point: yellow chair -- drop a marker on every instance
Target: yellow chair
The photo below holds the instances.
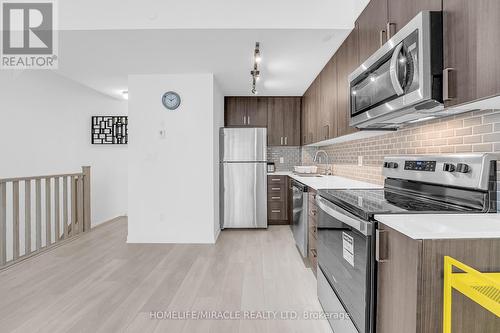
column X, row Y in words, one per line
column 482, row 288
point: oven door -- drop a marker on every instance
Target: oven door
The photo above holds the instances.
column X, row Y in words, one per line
column 345, row 259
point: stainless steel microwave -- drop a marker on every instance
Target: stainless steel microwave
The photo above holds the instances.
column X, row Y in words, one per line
column 402, row 81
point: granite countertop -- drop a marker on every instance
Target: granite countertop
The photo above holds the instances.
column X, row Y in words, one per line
column 444, row 226
column 326, row 182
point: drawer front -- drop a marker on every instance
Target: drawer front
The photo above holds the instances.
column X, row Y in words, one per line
column 312, row 198
column 276, row 210
column 273, row 180
column 313, row 231
column 313, row 213
column 276, row 193
column 313, row 259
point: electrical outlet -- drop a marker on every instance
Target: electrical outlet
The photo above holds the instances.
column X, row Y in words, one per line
column 360, row 160
column 282, row 160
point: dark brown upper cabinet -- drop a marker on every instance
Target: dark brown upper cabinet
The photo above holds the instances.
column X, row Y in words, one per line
column 310, row 113
column 306, row 110
column 283, row 121
column 347, row 61
column 471, row 49
column 371, row 26
column 314, row 115
column 328, row 101
column 257, row 112
column 381, row 19
column 234, row 111
column 245, row 111
column 403, row 11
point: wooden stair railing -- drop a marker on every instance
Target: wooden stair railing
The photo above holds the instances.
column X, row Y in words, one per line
column 59, row 212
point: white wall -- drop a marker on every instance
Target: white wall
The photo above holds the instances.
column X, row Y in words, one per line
column 45, row 129
column 172, row 180
column 217, row 123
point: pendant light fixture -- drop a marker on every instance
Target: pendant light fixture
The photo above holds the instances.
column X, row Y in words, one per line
column 255, row 72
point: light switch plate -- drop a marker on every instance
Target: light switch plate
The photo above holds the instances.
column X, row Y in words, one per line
column 282, row 160
column 360, row 160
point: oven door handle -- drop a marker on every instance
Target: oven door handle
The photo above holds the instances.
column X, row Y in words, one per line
column 360, row 225
column 393, row 70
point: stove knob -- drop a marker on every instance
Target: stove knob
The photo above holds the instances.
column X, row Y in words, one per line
column 463, row 168
column 392, row 165
column 448, row 167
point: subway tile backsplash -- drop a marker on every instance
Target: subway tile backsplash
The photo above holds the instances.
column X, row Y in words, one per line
column 477, row 131
column 290, row 155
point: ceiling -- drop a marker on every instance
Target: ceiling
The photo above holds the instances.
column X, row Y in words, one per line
column 207, row 14
column 291, row 59
column 102, row 42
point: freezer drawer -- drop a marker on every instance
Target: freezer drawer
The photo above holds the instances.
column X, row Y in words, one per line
column 243, row 145
column 244, row 195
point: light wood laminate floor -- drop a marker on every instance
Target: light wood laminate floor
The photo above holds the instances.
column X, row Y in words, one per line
column 98, row 283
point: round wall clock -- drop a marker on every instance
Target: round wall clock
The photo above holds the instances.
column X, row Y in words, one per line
column 171, row 100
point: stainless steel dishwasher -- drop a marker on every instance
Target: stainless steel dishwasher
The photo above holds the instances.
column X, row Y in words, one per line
column 299, row 216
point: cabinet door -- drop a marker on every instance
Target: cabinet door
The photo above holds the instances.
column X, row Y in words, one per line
column 275, row 132
column 372, row 25
column 347, row 61
column 402, row 11
column 471, row 49
column 305, row 117
column 397, row 281
column 291, row 121
column 234, row 111
column 328, row 100
column 256, row 111
column 314, row 119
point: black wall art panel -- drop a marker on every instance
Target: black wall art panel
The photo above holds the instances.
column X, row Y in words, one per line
column 110, row 130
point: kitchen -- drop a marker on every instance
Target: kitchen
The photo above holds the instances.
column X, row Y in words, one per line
column 399, row 92
column 320, row 168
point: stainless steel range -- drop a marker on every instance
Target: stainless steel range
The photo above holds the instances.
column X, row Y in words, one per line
column 347, row 245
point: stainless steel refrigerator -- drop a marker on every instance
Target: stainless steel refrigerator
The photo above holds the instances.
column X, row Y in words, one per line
column 243, row 177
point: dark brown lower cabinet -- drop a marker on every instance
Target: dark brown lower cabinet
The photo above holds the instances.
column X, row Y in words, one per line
column 277, row 199
column 410, row 283
column 313, row 231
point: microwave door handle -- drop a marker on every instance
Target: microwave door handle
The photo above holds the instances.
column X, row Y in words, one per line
column 394, row 72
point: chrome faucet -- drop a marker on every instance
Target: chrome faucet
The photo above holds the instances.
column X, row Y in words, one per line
column 328, row 170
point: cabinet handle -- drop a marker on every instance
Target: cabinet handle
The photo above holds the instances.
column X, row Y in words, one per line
column 286, row 140
column 244, row 120
column 447, row 94
column 276, row 211
column 275, row 189
column 381, row 36
column 381, row 245
column 248, row 120
column 276, row 198
column 275, row 179
column 391, row 30
column 281, row 141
